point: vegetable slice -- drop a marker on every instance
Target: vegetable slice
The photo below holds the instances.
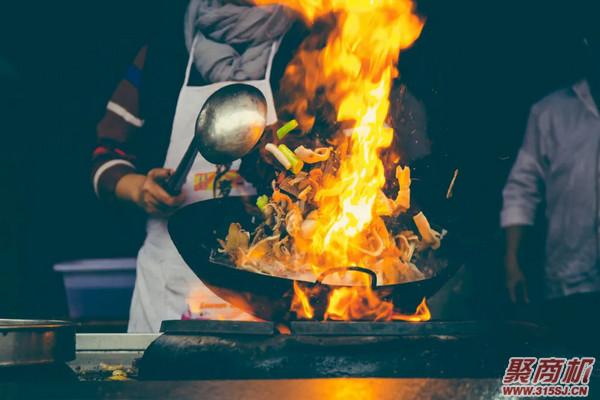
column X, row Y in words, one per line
column 286, row 128
column 271, row 148
column 262, row 201
column 310, row 156
column 403, row 198
column 296, row 163
column 429, row 236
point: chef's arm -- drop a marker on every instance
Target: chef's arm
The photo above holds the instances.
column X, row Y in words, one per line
column 113, row 158
column 114, row 174
column 521, row 196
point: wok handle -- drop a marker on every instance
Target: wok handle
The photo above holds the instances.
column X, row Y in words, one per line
column 176, row 181
column 367, row 271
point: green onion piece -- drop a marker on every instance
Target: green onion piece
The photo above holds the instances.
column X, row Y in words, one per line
column 296, row 168
column 262, row 201
column 286, row 128
column 289, row 154
column 297, row 163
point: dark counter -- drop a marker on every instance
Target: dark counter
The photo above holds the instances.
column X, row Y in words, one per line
column 305, row 389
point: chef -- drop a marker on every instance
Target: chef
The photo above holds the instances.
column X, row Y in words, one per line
column 559, row 162
column 149, row 123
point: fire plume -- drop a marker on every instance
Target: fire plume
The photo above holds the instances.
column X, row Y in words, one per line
column 354, row 71
column 352, row 304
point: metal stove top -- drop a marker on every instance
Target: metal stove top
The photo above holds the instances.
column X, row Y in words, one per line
column 354, row 328
column 258, row 350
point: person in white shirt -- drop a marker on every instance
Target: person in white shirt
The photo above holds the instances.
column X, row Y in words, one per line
column 559, row 162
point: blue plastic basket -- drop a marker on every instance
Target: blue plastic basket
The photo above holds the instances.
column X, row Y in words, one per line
column 98, row 289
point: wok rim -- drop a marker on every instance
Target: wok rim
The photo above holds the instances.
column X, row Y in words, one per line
column 336, row 286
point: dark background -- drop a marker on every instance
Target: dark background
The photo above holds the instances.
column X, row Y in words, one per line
column 479, row 66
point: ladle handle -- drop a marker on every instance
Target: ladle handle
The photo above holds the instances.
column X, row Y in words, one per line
column 176, row 181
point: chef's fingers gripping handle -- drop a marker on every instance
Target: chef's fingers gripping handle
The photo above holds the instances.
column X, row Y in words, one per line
column 371, row 273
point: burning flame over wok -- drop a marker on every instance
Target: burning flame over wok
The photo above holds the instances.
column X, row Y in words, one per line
column 354, row 71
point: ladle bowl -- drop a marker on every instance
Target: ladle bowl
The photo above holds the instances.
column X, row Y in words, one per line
column 229, row 125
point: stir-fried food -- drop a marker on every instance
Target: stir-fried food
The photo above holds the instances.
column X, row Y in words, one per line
column 281, row 244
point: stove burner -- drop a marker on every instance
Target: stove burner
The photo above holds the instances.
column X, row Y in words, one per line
column 353, row 328
column 250, row 350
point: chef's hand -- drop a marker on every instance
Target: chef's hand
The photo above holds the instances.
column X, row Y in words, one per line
column 516, row 284
column 146, row 191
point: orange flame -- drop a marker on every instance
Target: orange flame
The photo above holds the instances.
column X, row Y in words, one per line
column 355, row 71
column 354, row 303
column 350, row 303
column 421, row 314
column 301, row 304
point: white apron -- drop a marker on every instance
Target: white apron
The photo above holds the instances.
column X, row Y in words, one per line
column 165, row 286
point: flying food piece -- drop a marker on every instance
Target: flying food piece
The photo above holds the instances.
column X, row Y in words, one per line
column 449, row 193
column 296, row 163
column 402, row 202
column 286, row 128
column 262, row 201
column 430, row 236
column 283, row 160
column 313, row 156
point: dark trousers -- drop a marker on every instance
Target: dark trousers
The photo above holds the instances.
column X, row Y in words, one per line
column 574, row 321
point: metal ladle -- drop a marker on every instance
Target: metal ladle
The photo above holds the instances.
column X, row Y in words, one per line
column 229, row 125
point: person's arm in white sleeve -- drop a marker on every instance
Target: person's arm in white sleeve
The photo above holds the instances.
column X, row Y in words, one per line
column 521, row 196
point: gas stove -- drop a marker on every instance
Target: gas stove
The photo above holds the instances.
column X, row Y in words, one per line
column 197, row 349
column 226, row 359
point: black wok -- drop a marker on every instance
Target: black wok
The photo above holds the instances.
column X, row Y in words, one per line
column 195, row 229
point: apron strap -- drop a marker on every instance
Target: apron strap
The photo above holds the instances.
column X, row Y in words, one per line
column 190, row 62
column 274, row 48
